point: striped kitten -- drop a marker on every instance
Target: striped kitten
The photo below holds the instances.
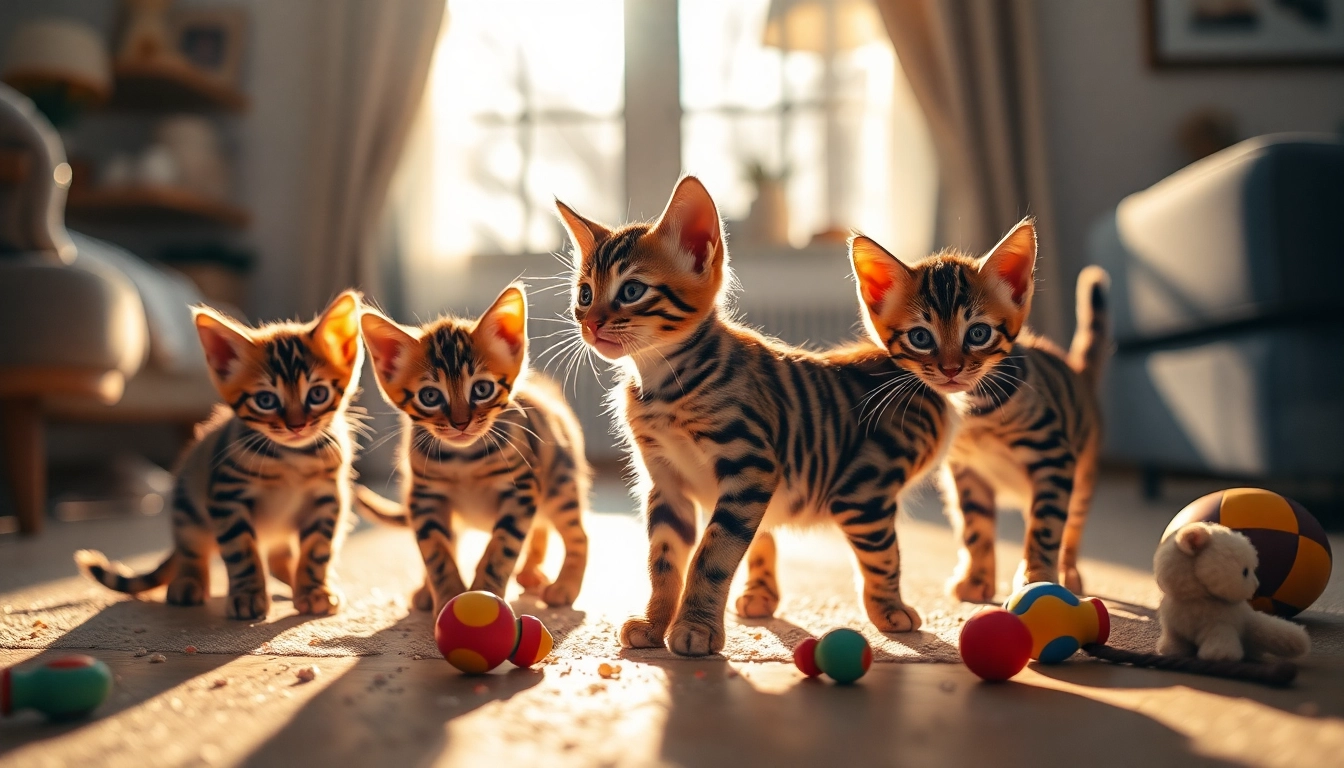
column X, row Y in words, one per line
column 486, row 444
column 271, row 470
column 741, row 429
column 1031, row 423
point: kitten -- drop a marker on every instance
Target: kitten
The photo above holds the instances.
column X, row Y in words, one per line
column 742, row 429
column 270, row 470
column 486, row 444
column 1031, row 425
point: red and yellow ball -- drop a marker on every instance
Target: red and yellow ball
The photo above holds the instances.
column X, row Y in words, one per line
column 477, row 631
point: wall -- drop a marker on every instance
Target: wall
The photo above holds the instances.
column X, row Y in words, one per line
column 1112, row 120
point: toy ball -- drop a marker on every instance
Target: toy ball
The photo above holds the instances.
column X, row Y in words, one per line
column 477, row 631
column 1059, row 622
column 843, row 654
column 1295, row 558
column 995, row 644
column 62, row 689
column 804, row 657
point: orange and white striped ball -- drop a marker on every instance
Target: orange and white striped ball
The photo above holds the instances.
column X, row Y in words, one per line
column 1295, row 557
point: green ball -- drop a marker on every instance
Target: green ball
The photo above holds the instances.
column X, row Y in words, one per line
column 843, row 655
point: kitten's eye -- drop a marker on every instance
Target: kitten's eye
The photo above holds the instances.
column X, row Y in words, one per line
column 482, row 390
column 978, row 334
column 1245, row 572
column 920, row 338
column 585, row 295
column 318, row 395
column 265, row 401
column 431, row 397
column 632, row 290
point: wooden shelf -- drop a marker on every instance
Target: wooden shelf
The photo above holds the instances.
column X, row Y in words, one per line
column 170, row 85
column 151, row 206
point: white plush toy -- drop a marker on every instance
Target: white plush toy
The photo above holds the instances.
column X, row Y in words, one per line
column 1207, row 574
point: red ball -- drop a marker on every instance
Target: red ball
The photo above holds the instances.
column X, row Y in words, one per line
column 476, row 632
column 995, row 644
column 805, row 657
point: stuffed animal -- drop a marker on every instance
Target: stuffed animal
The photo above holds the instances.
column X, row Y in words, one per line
column 1207, row 576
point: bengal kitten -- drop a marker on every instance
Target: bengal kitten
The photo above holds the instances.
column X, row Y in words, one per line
column 486, row 444
column 1031, row 422
column 739, row 428
column 270, row 470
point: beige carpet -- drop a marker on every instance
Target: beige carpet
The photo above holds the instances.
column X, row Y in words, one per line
column 380, row 568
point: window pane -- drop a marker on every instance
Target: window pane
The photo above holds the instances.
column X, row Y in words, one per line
column 580, row 163
column 810, row 88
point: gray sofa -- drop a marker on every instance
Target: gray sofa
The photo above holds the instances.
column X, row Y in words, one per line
column 1228, row 299
column 88, row 331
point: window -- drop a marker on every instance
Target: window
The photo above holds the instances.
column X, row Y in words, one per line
column 796, row 103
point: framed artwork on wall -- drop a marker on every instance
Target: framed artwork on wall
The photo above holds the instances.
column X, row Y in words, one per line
column 1210, row 33
column 211, row 39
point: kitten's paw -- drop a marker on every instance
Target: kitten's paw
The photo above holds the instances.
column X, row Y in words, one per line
column 319, row 600
column 1170, row 645
column 639, row 632
column 689, row 638
column 186, row 590
column 247, row 604
column 423, row 598
column 971, row 589
column 532, row 579
column 756, row 605
column 1025, row 576
column 559, row 594
column 1072, row 581
column 899, row 618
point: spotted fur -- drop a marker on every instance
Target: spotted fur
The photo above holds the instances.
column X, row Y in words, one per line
column 488, row 445
column 269, row 473
column 738, row 431
column 1031, row 425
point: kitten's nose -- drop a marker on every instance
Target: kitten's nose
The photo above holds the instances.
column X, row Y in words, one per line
column 459, row 426
column 950, row 373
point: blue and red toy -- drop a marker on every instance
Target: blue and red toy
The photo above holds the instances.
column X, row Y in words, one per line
column 1059, row 621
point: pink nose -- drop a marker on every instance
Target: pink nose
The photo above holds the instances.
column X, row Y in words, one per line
column 950, row 373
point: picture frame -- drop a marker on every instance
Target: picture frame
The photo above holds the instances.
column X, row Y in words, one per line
column 1244, row 33
column 211, row 39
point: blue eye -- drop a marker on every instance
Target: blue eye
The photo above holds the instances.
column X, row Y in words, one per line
column 585, row 295
column 632, row 290
column 482, row 390
column 318, row 394
column 265, row 401
column 920, row 338
column 431, row 397
column 978, row 334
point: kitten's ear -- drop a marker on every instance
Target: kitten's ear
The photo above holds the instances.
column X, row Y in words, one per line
column 882, row 278
column 390, row 345
column 502, row 330
column 1013, row 262
column 226, row 343
column 1193, row 538
column 337, row 331
column 586, row 234
column 691, row 224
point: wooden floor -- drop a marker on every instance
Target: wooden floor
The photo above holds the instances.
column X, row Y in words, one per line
column 390, row 710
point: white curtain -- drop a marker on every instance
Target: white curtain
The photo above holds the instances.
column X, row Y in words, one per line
column 372, row 61
column 973, row 67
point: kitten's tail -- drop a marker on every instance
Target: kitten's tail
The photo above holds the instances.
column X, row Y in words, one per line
column 114, row 576
column 1092, row 341
column 372, row 506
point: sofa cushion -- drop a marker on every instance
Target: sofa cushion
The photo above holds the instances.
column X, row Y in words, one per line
column 1261, row 402
column 86, row 315
column 1254, row 231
